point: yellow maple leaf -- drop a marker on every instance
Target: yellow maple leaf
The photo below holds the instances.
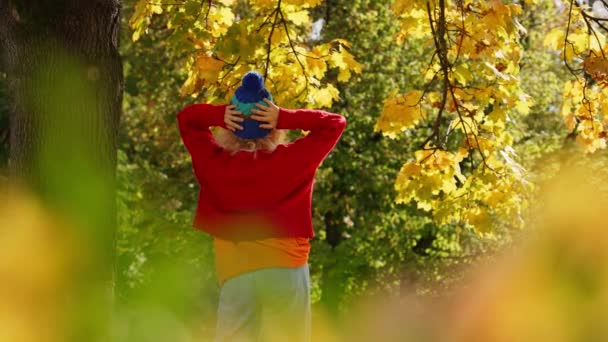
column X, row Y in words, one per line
column 596, row 67
column 523, row 104
column 410, row 169
column 555, row 38
column 208, row 68
column 298, row 17
column 324, row 97
column 399, row 113
column 316, row 63
column 350, row 62
column 222, row 15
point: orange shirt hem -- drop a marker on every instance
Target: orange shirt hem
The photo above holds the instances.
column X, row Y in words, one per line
column 237, row 257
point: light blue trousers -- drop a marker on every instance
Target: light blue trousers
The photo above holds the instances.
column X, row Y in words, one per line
column 270, row 304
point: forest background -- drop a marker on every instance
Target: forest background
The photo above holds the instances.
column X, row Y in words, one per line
column 459, row 112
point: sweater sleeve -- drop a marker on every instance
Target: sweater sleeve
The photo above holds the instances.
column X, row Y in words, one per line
column 194, row 122
column 324, row 128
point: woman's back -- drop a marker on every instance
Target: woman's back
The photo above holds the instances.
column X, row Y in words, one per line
column 272, row 189
column 255, row 200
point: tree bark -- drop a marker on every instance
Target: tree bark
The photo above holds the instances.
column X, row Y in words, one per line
column 4, row 129
column 64, row 83
column 35, row 38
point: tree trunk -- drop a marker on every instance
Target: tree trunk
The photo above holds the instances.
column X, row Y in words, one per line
column 36, row 39
column 4, row 129
column 64, row 83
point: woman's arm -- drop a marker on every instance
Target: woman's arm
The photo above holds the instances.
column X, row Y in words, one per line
column 194, row 122
column 318, row 122
column 324, row 128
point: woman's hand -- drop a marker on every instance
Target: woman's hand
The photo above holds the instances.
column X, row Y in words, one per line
column 231, row 117
column 268, row 114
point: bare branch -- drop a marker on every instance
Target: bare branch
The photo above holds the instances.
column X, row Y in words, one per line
column 566, row 41
column 276, row 16
column 294, row 52
column 440, row 48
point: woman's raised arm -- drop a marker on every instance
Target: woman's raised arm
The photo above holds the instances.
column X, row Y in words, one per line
column 324, row 128
column 194, row 122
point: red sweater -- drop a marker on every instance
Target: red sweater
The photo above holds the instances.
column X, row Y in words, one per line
column 254, row 195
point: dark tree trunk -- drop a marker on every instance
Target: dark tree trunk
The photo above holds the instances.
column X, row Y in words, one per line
column 4, row 128
column 64, row 84
column 36, row 38
column 333, row 229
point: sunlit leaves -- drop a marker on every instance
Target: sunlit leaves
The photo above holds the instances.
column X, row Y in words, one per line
column 582, row 111
column 434, row 173
column 435, row 182
column 345, row 62
column 141, row 18
column 555, row 38
column 400, row 112
column 315, row 60
column 222, row 41
column 299, row 17
column 582, row 45
column 466, row 173
column 324, row 97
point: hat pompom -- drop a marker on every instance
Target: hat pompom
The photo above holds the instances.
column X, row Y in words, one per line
column 252, row 88
column 253, row 81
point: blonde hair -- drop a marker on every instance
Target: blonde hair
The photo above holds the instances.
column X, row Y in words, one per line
column 231, row 142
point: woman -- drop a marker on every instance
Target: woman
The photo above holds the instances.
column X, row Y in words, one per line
column 255, row 200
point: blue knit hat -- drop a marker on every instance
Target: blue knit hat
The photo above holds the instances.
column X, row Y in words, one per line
column 250, row 92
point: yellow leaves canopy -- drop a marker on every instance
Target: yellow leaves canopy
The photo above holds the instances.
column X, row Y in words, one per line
column 469, row 102
column 270, row 42
column 433, row 176
column 584, row 112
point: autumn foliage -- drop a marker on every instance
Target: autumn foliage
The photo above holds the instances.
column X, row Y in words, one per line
column 221, row 48
column 466, row 172
column 474, row 128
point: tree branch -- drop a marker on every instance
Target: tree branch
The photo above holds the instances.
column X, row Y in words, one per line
column 274, row 23
column 295, row 53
